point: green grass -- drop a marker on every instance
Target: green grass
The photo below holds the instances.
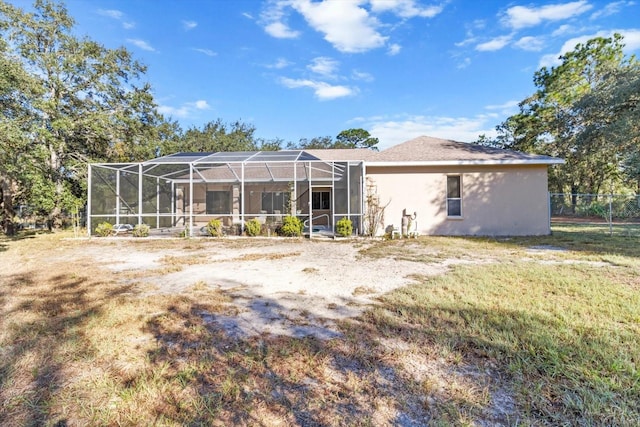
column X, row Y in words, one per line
column 567, row 336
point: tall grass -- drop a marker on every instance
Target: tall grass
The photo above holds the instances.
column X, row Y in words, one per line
column 567, row 336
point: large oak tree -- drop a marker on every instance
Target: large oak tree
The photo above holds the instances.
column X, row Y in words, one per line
column 90, row 104
column 586, row 111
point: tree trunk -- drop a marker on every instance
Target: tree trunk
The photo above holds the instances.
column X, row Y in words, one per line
column 54, row 220
column 6, row 218
column 574, row 198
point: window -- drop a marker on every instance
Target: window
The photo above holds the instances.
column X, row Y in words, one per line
column 275, row 201
column 454, row 196
column 321, row 200
column 218, row 202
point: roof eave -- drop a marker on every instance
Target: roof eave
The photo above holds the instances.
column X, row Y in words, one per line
column 485, row 162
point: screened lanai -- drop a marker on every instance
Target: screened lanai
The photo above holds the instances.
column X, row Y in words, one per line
column 186, row 190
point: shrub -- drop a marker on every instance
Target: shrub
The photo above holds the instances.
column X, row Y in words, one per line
column 253, row 227
column 214, row 228
column 104, row 229
column 140, row 230
column 344, row 227
column 594, row 209
column 291, row 227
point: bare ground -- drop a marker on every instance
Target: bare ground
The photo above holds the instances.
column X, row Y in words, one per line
column 293, row 288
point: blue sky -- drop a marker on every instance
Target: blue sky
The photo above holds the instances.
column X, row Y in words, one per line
column 307, row 68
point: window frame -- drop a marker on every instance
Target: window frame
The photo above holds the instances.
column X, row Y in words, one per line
column 276, row 200
column 211, row 208
column 457, row 213
column 324, row 199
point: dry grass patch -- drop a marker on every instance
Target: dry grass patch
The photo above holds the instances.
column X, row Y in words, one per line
column 521, row 342
column 363, row 290
column 266, row 256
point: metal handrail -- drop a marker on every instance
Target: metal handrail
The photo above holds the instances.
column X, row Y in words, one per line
column 306, row 221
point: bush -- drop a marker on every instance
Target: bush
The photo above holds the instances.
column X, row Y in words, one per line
column 214, row 228
column 253, row 227
column 291, row 227
column 140, row 230
column 344, row 227
column 104, row 229
column 594, row 209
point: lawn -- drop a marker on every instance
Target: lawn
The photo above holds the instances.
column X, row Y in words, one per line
column 540, row 330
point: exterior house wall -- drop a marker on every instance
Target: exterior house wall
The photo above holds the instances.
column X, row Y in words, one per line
column 496, row 200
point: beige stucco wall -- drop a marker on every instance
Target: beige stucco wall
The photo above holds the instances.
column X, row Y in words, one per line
column 496, row 200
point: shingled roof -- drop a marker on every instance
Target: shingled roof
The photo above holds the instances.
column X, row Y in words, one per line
column 338, row 154
column 426, row 149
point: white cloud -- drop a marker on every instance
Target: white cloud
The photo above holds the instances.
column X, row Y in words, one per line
column 280, row 30
column 118, row 16
column 322, row 90
column 518, row 17
column 111, row 13
column 631, row 41
column 207, row 52
column 534, row 44
column 470, row 33
column 189, row 25
column 563, row 29
column 506, row 105
column 467, row 41
column 248, row 15
column 464, row 63
column 201, row 104
column 185, row 110
column 351, row 26
column 494, row 44
column 506, row 109
column 405, row 8
column 346, row 25
column 141, row 44
column 273, row 18
column 361, row 75
column 394, row 49
column 279, row 64
column 611, row 9
column 167, row 110
column 395, row 130
column 324, row 66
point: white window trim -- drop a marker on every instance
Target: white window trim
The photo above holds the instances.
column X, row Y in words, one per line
column 459, row 176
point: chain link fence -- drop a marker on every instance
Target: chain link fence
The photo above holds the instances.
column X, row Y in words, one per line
column 613, row 213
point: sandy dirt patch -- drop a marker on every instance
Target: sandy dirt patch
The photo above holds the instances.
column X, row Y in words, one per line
column 294, row 288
